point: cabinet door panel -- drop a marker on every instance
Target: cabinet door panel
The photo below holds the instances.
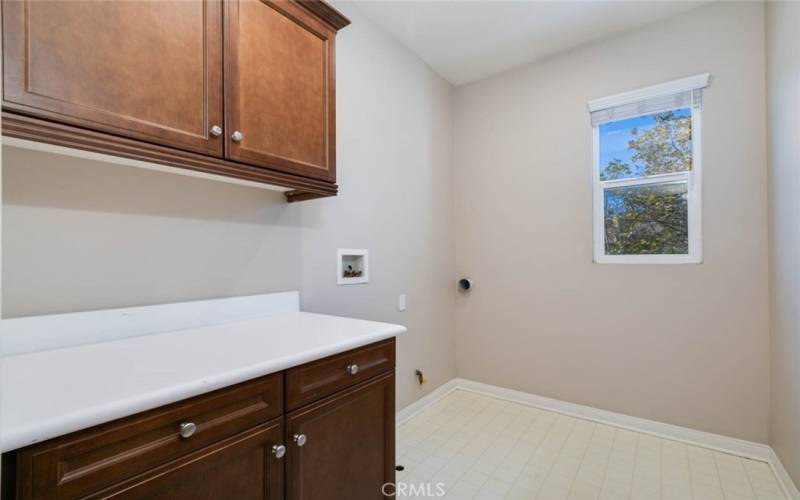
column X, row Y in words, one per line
column 349, row 449
column 279, row 87
column 146, row 70
column 242, row 467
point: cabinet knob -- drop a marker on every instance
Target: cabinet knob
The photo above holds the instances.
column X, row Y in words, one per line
column 278, row 450
column 352, row 369
column 216, row 131
column 237, row 136
column 187, row 429
column 299, row 439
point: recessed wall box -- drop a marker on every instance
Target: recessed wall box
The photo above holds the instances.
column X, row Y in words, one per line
column 352, row 266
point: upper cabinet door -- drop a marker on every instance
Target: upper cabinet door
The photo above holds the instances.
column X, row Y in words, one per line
column 146, row 70
column 279, row 87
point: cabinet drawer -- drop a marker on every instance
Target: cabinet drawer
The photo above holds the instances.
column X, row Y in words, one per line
column 241, row 467
column 323, row 377
column 86, row 461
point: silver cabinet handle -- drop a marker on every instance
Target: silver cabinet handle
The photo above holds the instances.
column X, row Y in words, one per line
column 352, row 369
column 187, row 429
column 278, row 450
column 237, row 136
column 216, row 131
column 299, row 439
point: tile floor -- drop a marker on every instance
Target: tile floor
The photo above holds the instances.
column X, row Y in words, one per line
column 481, row 447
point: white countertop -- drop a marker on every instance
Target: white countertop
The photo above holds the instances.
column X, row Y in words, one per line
column 49, row 393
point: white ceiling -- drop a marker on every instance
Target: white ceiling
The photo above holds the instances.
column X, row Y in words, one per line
column 465, row 41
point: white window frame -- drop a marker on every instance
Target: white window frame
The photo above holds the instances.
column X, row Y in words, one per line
column 692, row 178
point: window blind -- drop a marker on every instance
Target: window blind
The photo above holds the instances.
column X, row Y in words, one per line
column 648, row 100
column 648, row 106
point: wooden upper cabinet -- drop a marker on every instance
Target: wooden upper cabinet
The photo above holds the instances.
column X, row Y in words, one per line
column 156, row 81
column 145, row 70
column 280, row 87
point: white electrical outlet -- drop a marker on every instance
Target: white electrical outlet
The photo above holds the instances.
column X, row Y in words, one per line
column 401, row 302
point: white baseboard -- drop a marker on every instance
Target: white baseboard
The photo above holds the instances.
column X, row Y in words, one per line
column 783, row 477
column 740, row 447
column 425, row 401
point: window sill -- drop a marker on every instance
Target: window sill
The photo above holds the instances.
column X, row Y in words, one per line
column 648, row 259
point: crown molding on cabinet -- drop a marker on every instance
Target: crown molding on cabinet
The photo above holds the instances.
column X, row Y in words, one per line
column 34, row 129
column 324, row 11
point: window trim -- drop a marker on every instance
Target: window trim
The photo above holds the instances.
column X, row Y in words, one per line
column 692, row 178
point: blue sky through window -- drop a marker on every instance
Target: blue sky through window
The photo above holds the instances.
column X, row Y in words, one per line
column 614, row 138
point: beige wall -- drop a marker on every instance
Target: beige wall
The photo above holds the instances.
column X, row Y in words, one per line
column 783, row 108
column 684, row 344
column 394, row 146
column 82, row 235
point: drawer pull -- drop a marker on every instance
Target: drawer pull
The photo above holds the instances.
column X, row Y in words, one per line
column 299, row 439
column 237, row 136
column 278, row 450
column 187, row 429
column 216, row 131
column 352, row 369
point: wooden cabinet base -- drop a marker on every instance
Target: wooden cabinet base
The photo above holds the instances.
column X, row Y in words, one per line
column 35, row 129
column 242, row 467
column 338, row 444
column 349, row 453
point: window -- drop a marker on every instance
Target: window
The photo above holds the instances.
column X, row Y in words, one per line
column 646, row 174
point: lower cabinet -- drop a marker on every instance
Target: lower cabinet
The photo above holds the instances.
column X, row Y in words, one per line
column 236, row 443
column 343, row 447
column 244, row 467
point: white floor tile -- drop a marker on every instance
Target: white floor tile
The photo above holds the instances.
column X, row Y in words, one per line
column 484, row 448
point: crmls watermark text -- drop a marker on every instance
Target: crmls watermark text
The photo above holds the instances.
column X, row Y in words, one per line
column 422, row 489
